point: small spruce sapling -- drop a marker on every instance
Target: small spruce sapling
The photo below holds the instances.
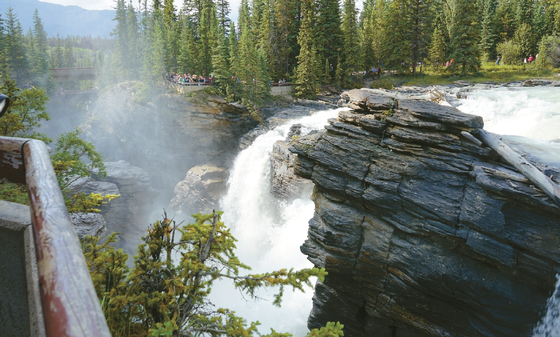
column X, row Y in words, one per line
column 167, row 289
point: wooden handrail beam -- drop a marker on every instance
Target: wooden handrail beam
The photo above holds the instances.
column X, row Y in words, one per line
column 70, row 304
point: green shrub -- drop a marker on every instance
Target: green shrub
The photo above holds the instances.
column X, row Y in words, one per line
column 384, row 83
column 549, row 52
column 510, row 52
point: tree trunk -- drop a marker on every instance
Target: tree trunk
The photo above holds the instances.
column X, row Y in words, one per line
column 532, row 173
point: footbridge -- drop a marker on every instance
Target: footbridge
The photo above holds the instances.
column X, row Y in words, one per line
column 73, row 74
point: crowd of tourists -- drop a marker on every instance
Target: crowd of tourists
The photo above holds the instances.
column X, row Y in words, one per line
column 188, row 79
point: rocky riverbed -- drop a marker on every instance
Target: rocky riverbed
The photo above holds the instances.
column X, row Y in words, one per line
column 423, row 233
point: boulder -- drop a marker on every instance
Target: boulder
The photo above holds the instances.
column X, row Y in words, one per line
column 424, row 233
column 200, row 190
column 92, row 224
column 88, row 185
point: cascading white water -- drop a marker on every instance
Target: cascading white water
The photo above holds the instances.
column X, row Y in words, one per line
column 550, row 324
column 530, row 117
column 269, row 231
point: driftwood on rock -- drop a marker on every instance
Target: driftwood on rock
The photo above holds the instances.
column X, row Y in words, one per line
column 531, row 172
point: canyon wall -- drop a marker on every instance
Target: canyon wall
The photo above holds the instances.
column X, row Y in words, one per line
column 423, row 233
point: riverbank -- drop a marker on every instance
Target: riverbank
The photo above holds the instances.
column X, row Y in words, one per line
column 490, row 73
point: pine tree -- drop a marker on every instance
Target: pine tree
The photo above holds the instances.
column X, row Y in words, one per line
column 487, row 33
column 171, row 35
column 367, row 32
column 41, row 61
column 538, row 25
column 14, row 43
column 418, row 18
column 121, row 58
column 234, row 90
column 523, row 37
column 523, row 12
column 69, row 59
column 504, row 21
column 207, row 31
column 437, row 53
column 328, row 35
column 307, row 71
column 233, row 50
column 58, row 54
column 349, row 61
column 288, row 18
column 30, row 50
column 153, row 67
column 395, row 47
column 4, row 70
column 188, row 56
column 221, row 66
column 134, row 43
column 223, row 12
column 464, row 39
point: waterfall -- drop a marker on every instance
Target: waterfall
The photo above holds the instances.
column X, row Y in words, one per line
column 269, row 231
column 550, row 323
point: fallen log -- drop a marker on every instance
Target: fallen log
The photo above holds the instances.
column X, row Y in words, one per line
column 532, row 173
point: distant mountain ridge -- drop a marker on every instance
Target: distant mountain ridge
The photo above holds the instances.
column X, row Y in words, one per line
column 62, row 20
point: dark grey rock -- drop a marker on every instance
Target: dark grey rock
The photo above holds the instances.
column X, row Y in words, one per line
column 92, row 224
column 423, row 233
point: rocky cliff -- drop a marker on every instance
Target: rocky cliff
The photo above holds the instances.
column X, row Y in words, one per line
column 167, row 135
column 423, row 233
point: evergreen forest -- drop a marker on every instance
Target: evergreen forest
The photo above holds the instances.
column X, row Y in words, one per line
column 310, row 43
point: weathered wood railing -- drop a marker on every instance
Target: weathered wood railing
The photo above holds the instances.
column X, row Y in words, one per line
column 70, row 305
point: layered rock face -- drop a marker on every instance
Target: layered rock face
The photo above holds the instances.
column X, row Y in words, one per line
column 284, row 183
column 423, row 233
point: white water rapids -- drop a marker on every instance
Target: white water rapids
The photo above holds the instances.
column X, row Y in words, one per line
column 530, row 120
column 269, row 231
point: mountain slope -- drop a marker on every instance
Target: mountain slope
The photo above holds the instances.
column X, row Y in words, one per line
column 62, row 20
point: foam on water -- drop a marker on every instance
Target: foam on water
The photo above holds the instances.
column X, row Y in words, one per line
column 269, row 231
column 527, row 112
column 527, row 118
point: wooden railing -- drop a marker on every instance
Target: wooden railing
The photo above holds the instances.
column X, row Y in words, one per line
column 70, row 304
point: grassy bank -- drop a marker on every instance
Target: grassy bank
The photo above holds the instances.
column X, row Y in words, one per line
column 490, row 72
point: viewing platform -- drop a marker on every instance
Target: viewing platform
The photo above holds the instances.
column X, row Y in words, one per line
column 278, row 89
